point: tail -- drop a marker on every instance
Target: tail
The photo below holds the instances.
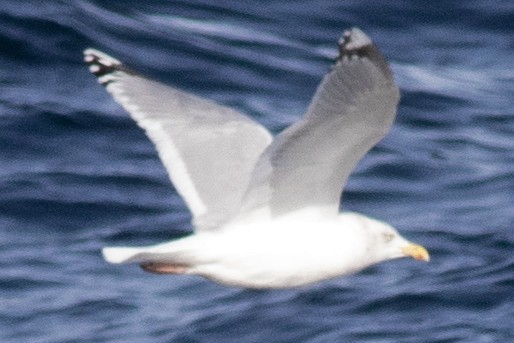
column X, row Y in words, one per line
column 121, row 254
column 153, row 262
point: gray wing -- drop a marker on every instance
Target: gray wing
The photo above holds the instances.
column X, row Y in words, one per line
column 308, row 164
column 208, row 150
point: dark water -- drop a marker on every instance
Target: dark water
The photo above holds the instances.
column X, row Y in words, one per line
column 77, row 174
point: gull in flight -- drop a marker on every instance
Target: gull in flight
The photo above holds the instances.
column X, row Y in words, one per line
column 266, row 209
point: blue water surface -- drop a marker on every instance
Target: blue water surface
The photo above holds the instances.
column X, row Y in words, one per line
column 76, row 173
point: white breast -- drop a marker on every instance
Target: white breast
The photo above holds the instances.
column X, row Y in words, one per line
column 290, row 255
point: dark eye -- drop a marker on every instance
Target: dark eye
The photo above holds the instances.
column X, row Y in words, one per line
column 388, row 236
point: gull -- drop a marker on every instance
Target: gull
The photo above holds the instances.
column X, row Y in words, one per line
column 265, row 210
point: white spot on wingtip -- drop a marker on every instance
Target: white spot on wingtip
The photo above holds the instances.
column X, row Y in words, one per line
column 358, row 39
column 92, row 54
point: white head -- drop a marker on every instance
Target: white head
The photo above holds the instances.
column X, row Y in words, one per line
column 385, row 243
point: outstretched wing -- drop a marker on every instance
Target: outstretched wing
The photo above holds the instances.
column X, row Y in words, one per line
column 308, row 164
column 208, row 150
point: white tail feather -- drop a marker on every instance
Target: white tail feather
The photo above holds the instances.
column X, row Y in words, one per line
column 117, row 255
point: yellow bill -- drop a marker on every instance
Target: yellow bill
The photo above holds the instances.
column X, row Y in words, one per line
column 417, row 252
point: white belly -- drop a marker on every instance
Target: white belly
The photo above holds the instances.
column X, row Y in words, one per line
column 277, row 258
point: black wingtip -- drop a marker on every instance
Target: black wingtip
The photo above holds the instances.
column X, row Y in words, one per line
column 102, row 65
column 355, row 42
column 356, row 45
